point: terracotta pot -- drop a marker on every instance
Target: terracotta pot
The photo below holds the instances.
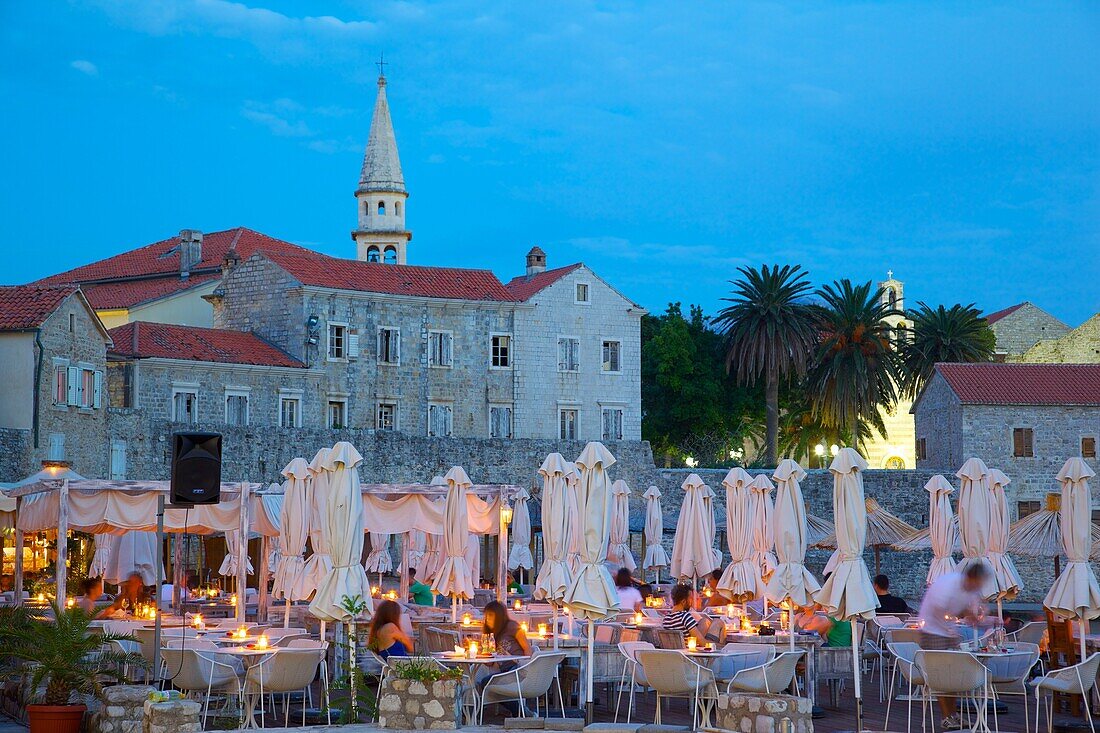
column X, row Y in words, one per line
column 55, row 718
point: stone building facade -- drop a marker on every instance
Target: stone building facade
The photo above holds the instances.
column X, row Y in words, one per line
column 1079, row 346
column 1021, row 326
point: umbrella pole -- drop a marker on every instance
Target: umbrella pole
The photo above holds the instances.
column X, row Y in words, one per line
column 554, row 622
column 878, row 559
column 1000, row 612
column 790, row 617
column 454, row 609
column 588, row 683
column 855, row 671
column 1082, row 635
column 286, row 616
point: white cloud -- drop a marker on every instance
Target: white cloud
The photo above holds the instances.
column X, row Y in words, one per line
column 275, row 119
column 85, row 67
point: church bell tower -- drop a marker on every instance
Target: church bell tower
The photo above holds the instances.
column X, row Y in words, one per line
column 381, row 235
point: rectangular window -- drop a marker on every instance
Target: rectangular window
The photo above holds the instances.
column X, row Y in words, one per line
column 87, row 387
column 612, row 423
column 501, row 351
column 922, row 449
column 440, row 349
column 61, row 385
column 72, row 323
column 387, row 416
column 337, row 414
column 439, row 420
column 337, row 341
column 1088, row 447
column 290, row 412
column 500, row 421
column 236, row 407
column 389, row 345
column 56, row 451
column 1026, row 509
column 185, row 405
column 611, row 358
column 581, row 293
column 72, row 380
column 567, row 420
column 1023, row 443
column 118, row 460
column 568, row 354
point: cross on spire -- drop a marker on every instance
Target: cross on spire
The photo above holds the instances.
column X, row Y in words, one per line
column 889, row 274
column 381, row 64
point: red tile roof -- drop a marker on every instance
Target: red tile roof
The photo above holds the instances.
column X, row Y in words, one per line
column 169, row 341
column 24, row 307
column 427, row 282
column 1024, row 384
column 525, row 287
column 998, row 315
column 152, row 271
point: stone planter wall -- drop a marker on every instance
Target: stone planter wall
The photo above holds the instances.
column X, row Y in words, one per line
column 122, row 711
column 173, row 716
column 416, row 705
column 747, row 713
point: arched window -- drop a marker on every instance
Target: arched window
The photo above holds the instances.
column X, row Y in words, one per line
column 391, row 256
column 900, row 336
column 381, row 208
column 397, row 208
column 373, row 255
column 366, row 208
column 892, row 297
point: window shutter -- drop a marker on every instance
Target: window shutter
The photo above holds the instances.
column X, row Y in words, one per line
column 1017, row 442
column 97, row 390
column 353, row 344
column 74, row 386
column 395, row 346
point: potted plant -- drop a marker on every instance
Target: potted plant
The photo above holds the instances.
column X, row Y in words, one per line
column 59, row 656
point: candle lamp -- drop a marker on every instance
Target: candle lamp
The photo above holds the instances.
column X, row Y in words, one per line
column 708, row 592
column 261, row 642
column 233, row 600
column 523, row 626
column 692, row 644
column 731, row 610
column 41, row 597
column 638, row 618
column 69, row 603
column 473, row 650
column 518, row 605
column 542, row 629
column 241, row 633
column 467, row 619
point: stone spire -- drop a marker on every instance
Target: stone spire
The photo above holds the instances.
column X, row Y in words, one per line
column 381, row 164
column 381, row 235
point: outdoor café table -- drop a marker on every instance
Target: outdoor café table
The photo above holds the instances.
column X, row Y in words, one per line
column 710, row 658
column 469, row 667
column 249, row 657
column 806, row 642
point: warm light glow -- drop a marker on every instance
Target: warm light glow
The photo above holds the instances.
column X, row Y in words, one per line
column 819, row 450
column 467, row 619
column 745, row 625
column 197, row 621
column 240, row 633
column 473, row 650
column 391, row 595
column 233, row 599
column 541, row 629
column 69, row 603
column 785, row 618
column 731, row 610
column 638, row 618
column 518, row 605
column 523, row 626
column 506, row 514
column 692, row 644
column 375, row 591
column 690, row 462
column 212, row 592
column 261, row 642
column 41, row 597
column 708, row 592
column 834, row 449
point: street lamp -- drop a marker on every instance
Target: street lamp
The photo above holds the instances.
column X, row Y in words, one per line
column 819, row 451
column 834, row 449
column 690, row 462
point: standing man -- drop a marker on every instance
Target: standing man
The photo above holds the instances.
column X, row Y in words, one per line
column 953, row 596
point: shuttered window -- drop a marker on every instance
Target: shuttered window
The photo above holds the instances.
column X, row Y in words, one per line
column 1023, row 443
column 1088, row 447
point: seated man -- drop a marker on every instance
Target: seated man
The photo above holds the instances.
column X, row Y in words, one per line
column 835, row 632
column 419, row 593
column 888, row 603
column 680, row 618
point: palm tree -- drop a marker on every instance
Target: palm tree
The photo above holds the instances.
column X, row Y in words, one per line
column 856, row 367
column 955, row 334
column 769, row 331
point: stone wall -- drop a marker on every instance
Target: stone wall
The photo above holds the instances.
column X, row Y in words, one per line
column 745, row 713
column 172, row 716
column 15, row 454
column 122, row 711
column 938, row 421
column 1079, row 346
column 1023, row 328
column 416, row 705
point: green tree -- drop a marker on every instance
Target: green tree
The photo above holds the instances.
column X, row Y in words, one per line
column 955, row 334
column 769, row 335
column 855, row 370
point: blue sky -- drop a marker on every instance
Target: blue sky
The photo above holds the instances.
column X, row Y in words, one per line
column 663, row 144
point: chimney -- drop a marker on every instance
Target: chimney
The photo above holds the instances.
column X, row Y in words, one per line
column 536, row 261
column 190, row 247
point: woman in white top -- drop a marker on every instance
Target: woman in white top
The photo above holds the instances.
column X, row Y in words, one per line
column 630, row 598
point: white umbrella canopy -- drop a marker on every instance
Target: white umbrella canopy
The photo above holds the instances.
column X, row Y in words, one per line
column 941, row 527
column 520, row 554
column 453, row 575
column 232, row 552
column 848, row 592
column 791, row 581
column 101, row 557
column 293, row 532
column 378, row 559
column 975, row 518
column 691, row 548
column 572, row 481
column 343, row 519
column 618, row 550
column 1009, row 583
column 592, row 593
column 1075, row 593
column 763, row 532
column 711, row 529
column 739, row 579
column 319, row 564
column 554, row 575
column 132, row 552
column 655, row 555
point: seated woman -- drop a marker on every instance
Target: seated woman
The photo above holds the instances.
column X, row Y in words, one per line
column 91, row 590
column 630, row 598
column 387, row 638
column 680, row 618
column 509, row 636
column 835, row 632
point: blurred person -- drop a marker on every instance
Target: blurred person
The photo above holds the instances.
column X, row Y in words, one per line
column 91, row 590
column 630, row 598
column 387, row 638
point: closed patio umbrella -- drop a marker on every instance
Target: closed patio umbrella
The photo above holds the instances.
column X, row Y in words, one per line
column 319, row 564
column 618, row 551
column 453, row 576
column 791, row 581
column 520, row 554
column 101, row 557
column 848, row 593
column 232, row 552
column 572, row 480
column 1009, row 583
column 739, row 580
column 763, row 532
column 343, row 519
column 133, row 552
column 691, row 555
column 592, row 593
column 378, row 559
column 712, row 524
column 554, row 575
column 975, row 520
column 294, row 516
column 1075, row 594
column 941, row 526
column 655, row 555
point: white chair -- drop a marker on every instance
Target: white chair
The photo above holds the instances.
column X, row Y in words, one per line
column 1009, row 674
column 742, row 655
column 200, row 672
column 671, row 674
column 285, row 671
column 1076, row 680
column 532, row 679
column 770, row 677
column 637, row 674
column 954, row 674
column 902, row 654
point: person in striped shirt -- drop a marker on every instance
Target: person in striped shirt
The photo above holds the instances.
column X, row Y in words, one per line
column 681, row 618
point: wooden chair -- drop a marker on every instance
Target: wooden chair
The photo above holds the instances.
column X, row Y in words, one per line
column 1062, row 653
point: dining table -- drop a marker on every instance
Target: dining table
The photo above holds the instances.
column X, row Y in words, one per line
column 249, row 656
column 471, row 666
